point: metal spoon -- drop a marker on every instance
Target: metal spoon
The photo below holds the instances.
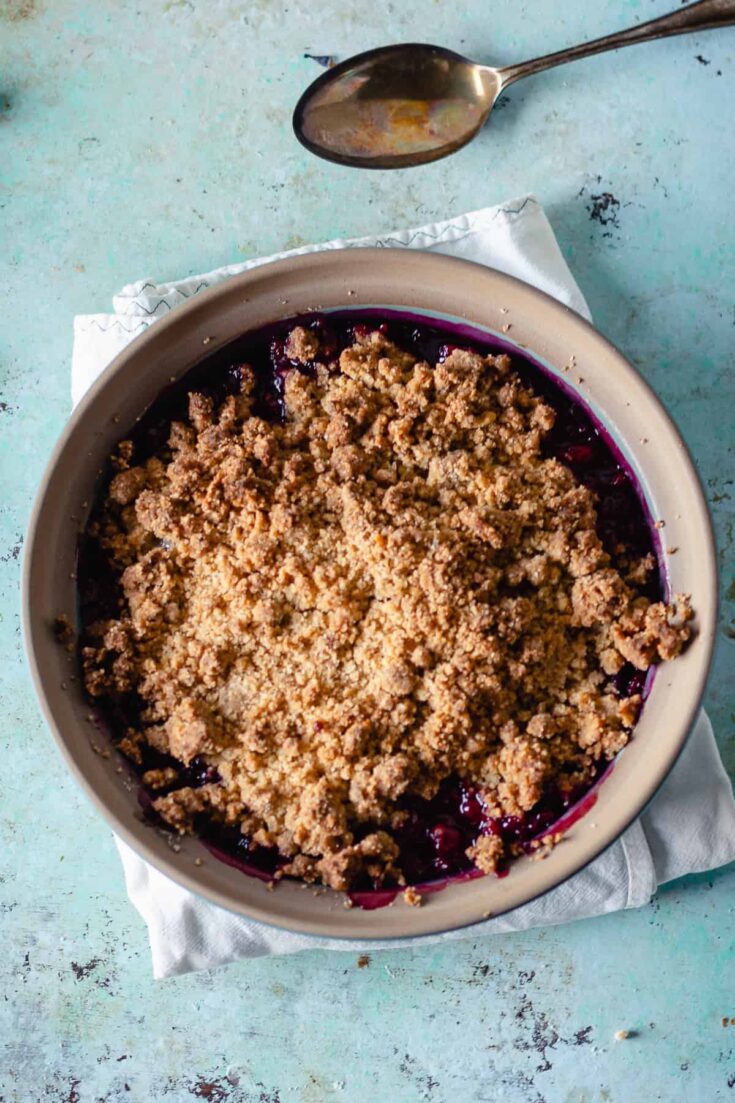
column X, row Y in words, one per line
column 405, row 105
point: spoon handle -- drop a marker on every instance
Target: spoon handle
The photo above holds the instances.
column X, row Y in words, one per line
column 702, row 16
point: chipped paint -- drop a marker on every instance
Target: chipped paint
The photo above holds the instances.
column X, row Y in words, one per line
column 82, row 971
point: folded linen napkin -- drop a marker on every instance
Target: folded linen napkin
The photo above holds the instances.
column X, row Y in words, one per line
column 690, row 825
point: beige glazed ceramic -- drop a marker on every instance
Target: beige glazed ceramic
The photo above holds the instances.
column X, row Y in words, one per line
column 423, row 283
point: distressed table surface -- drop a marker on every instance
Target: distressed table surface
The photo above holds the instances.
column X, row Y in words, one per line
column 154, row 139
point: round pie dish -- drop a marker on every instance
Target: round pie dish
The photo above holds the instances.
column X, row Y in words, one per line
column 432, row 286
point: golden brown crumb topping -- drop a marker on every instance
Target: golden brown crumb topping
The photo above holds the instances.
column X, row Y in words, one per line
column 391, row 587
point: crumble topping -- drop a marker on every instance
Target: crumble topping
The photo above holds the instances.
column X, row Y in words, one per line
column 64, row 632
column 391, row 587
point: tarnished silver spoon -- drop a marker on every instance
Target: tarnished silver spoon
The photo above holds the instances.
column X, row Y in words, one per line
column 399, row 106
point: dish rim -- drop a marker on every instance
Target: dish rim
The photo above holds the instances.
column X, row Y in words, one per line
column 344, row 924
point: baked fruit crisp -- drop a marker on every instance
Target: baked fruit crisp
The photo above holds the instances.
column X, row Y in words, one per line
column 370, row 609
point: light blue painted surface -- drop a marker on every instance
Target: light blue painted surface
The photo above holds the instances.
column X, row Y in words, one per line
column 154, row 139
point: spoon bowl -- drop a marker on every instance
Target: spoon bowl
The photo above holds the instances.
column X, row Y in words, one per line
column 396, row 106
column 406, row 105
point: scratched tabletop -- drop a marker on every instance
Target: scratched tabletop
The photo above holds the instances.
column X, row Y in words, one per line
column 153, row 139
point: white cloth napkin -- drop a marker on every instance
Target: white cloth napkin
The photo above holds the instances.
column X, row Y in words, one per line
column 690, row 825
